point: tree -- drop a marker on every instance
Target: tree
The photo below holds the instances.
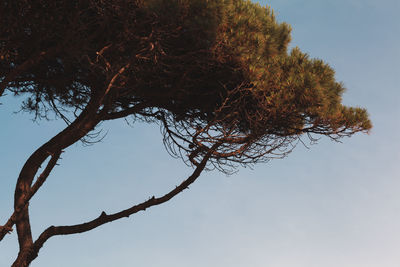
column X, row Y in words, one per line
column 217, row 75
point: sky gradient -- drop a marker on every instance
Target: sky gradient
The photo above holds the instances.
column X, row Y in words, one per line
column 335, row 204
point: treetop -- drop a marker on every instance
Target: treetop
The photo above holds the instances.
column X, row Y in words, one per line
column 183, row 63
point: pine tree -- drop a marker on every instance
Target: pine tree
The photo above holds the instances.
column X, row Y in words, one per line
column 217, row 75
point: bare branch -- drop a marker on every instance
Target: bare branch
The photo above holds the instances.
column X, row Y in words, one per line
column 86, row 121
column 7, row 228
column 43, row 176
column 105, row 218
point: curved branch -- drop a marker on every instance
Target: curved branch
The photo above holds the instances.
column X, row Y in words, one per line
column 7, row 228
column 85, row 122
column 106, row 218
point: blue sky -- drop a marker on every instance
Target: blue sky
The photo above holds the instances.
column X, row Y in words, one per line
column 335, row 204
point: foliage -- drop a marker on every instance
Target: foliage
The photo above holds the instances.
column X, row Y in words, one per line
column 217, row 75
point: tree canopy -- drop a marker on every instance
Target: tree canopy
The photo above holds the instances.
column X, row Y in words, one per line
column 217, row 75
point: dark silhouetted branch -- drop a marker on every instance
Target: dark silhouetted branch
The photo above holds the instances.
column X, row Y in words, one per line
column 106, row 218
column 7, row 228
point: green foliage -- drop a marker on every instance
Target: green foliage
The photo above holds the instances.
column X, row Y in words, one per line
column 180, row 59
column 215, row 74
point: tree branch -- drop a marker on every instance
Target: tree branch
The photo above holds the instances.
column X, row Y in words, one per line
column 124, row 113
column 83, row 124
column 105, row 218
column 7, row 228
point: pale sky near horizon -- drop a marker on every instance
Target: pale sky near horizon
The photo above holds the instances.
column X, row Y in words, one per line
column 335, row 204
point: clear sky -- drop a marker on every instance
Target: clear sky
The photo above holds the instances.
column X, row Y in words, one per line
column 335, row 204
